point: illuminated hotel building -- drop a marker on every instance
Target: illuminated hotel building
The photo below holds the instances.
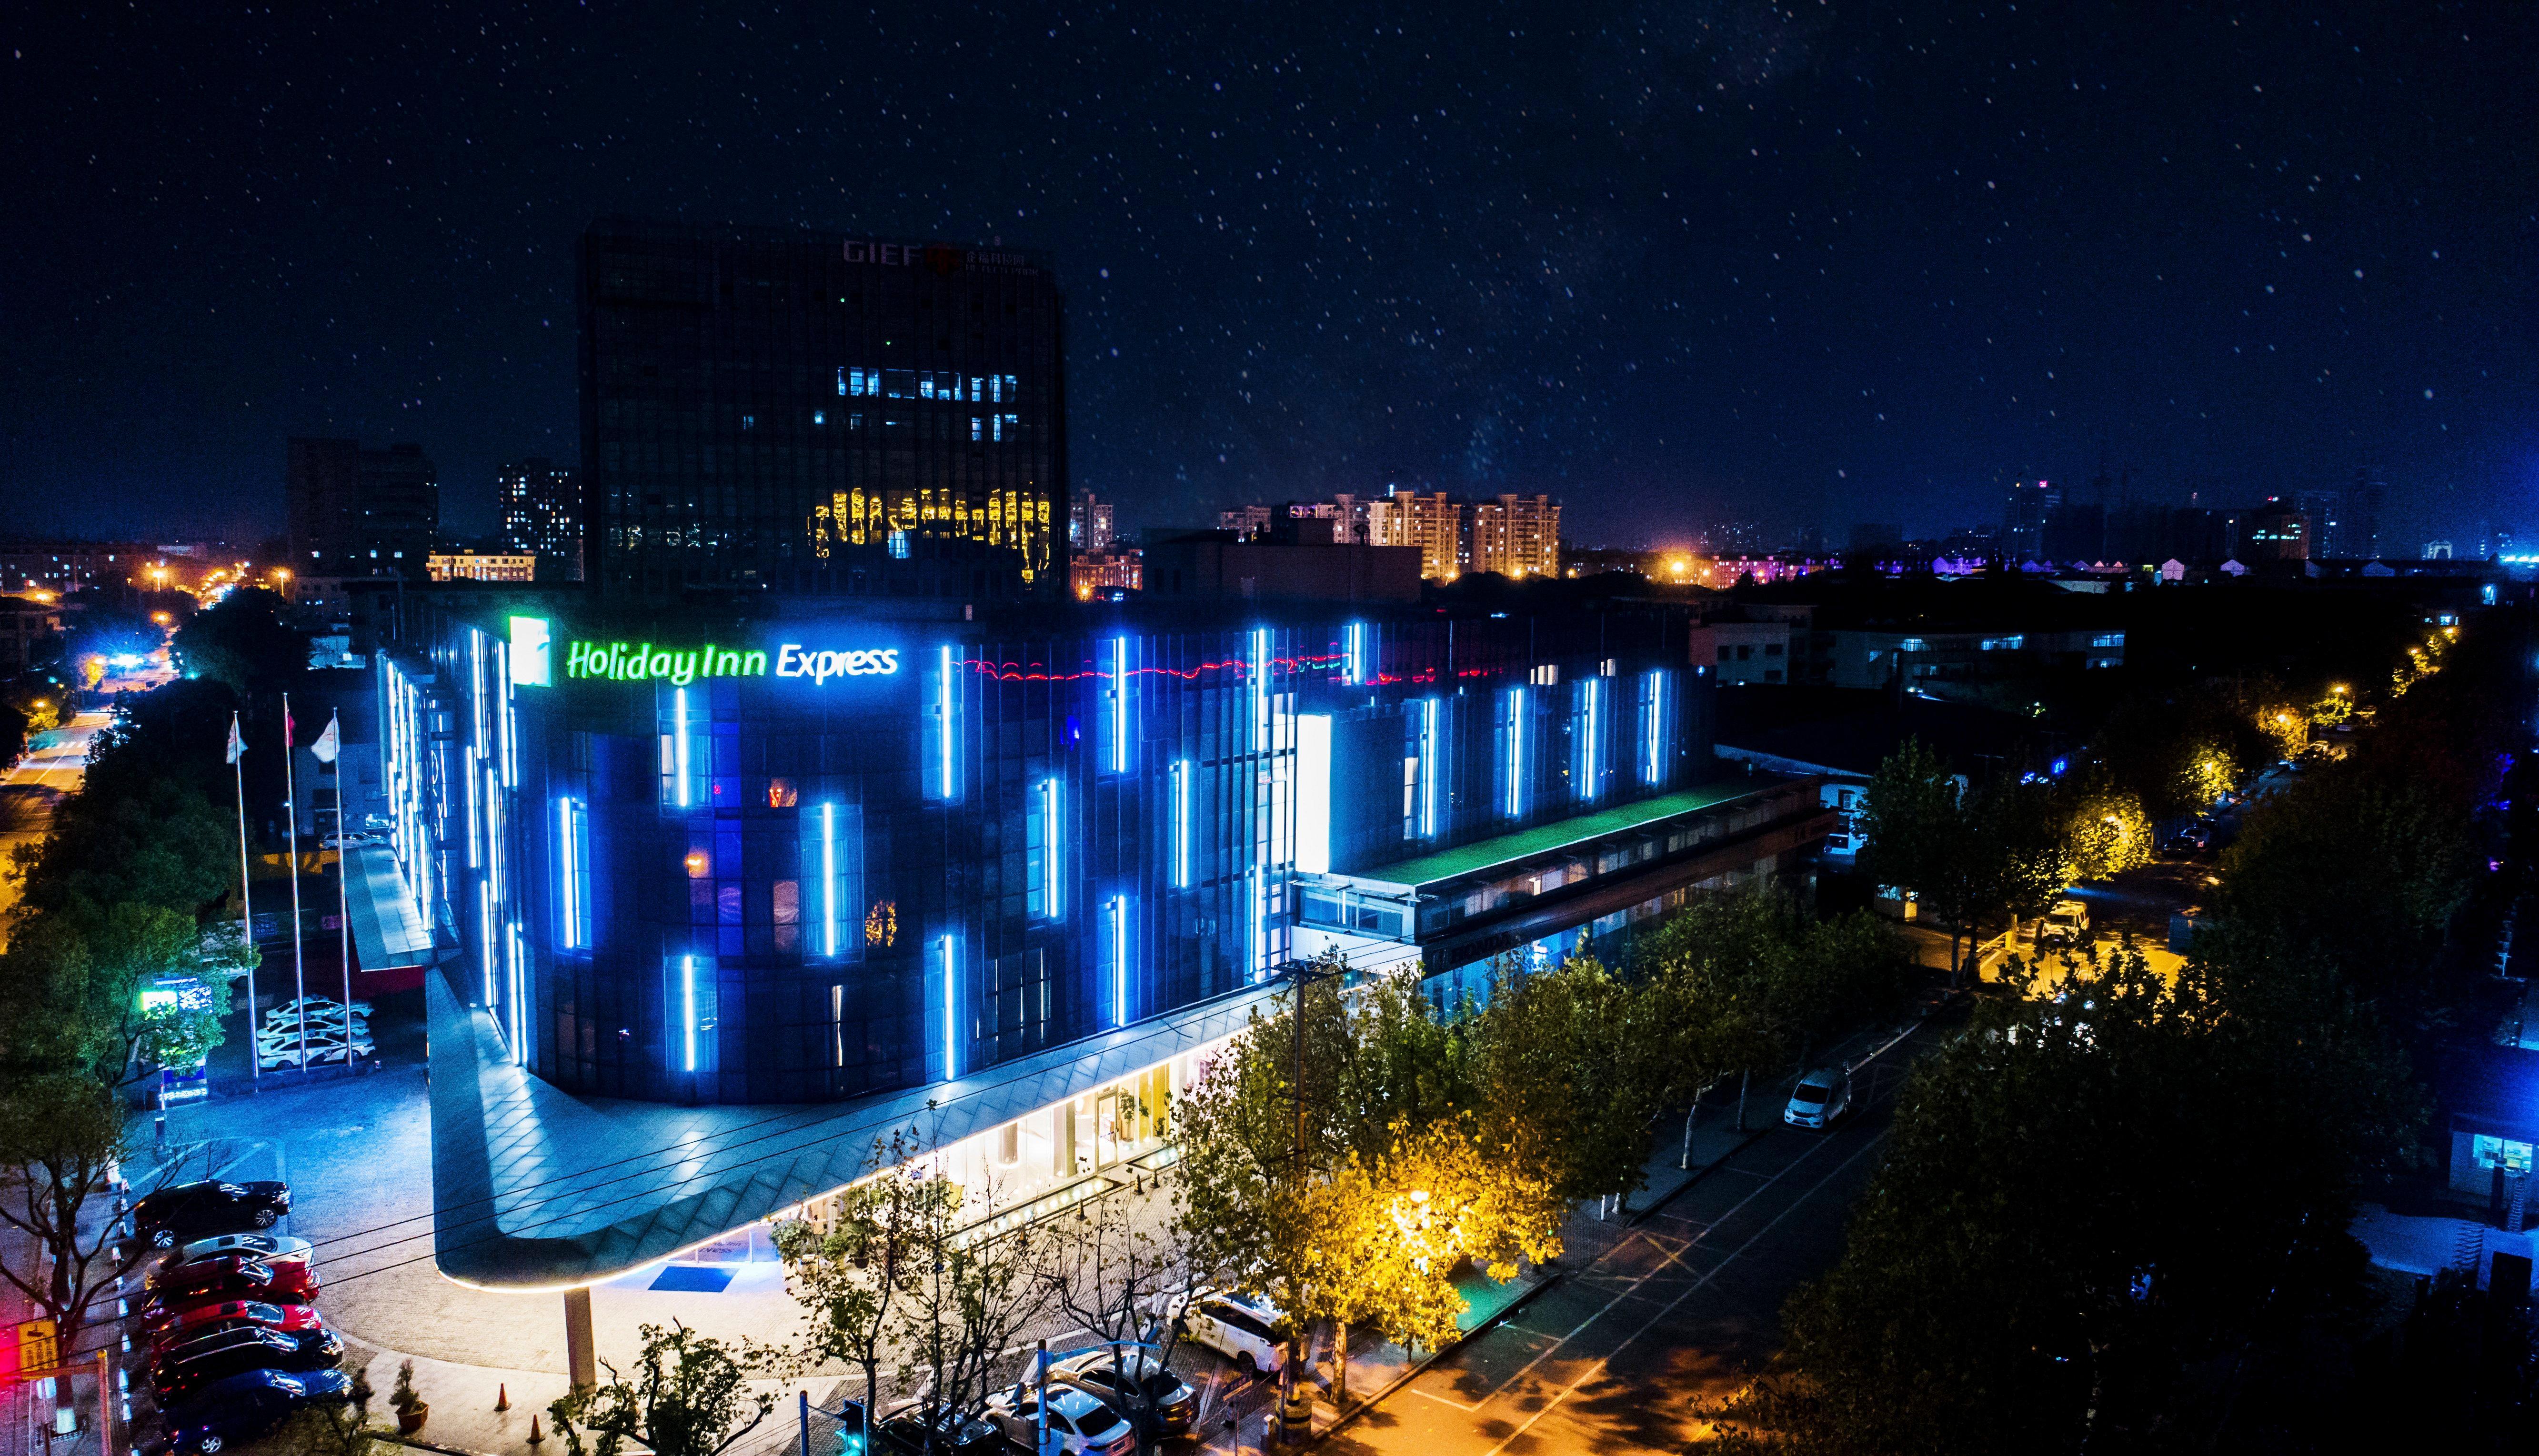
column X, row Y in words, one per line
column 815, row 413
column 1008, row 878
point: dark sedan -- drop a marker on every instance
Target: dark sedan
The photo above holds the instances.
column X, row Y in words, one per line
column 244, row 1407
column 185, row 1368
column 230, row 1276
column 189, row 1211
column 924, row 1430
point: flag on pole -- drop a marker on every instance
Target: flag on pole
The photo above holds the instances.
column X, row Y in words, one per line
column 238, row 745
column 289, row 730
column 324, row 749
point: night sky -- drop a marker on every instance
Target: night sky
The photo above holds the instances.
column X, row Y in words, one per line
column 1805, row 263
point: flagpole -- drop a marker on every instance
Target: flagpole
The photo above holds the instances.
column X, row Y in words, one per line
column 246, row 907
column 343, row 886
column 291, row 804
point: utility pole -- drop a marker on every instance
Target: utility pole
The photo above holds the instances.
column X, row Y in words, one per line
column 1301, row 974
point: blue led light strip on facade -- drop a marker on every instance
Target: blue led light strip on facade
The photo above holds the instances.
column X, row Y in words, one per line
column 1353, row 668
column 1180, row 823
column 688, row 1012
column 1516, row 753
column 569, row 873
column 1118, row 960
column 951, row 1061
column 485, row 939
column 1428, row 710
column 1593, row 691
column 1051, row 859
column 1653, row 731
column 943, row 737
column 1119, row 705
column 519, row 1019
column 828, row 878
column 679, row 748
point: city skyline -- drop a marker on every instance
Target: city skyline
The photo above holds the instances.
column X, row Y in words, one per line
column 1570, row 254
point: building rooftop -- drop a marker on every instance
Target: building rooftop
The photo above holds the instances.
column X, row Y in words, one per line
column 1553, row 837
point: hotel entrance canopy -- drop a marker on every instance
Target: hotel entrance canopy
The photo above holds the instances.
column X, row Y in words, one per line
column 537, row 1188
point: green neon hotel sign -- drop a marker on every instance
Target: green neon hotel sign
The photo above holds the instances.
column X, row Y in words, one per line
column 628, row 662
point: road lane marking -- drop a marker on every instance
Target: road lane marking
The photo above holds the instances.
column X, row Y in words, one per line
column 1687, row 1294
column 1678, row 1255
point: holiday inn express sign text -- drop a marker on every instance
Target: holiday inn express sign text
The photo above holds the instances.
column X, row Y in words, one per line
column 635, row 661
column 631, row 662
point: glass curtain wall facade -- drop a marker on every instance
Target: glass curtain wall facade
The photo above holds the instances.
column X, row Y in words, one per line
column 799, row 861
column 818, row 413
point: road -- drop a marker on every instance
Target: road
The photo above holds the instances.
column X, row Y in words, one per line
column 1613, row 1358
column 50, row 771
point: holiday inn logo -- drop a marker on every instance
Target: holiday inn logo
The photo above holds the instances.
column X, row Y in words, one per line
column 626, row 662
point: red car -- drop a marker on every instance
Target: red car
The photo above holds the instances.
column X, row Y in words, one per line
column 192, row 1319
column 229, row 1276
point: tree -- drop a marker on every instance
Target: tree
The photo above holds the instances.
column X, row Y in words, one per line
column 851, row 1277
column 2105, row 831
column 71, row 994
column 1912, row 821
column 2064, row 1237
column 1110, row 1266
column 1382, row 1112
column 61, row 1138
column 687, row 1392
column 243, row 643
column 1571, row 1073
column 969, row 1296
column 2017, row 853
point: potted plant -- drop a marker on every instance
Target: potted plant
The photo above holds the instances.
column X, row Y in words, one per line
column 410, row 1408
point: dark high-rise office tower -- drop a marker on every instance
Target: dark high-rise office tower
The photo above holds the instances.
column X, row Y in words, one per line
column 2362, row 504
column 356, row 512
column 2329, row 534
column 2024, row 511
column 776, row 410
column 542, row 515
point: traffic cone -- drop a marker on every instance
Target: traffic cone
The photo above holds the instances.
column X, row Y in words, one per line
column 503, row 1397
column 535, row 1436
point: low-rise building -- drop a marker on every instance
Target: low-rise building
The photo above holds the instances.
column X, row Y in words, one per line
column 27, row 632
column 1097, row 573
column 481, row 566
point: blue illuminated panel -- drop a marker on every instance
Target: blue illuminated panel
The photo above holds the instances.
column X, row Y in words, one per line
column 1513, row 762
column 1181, row 850
column 1119, row 705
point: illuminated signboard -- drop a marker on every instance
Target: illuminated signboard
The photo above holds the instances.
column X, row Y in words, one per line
column 627, row 662
column 532, row 665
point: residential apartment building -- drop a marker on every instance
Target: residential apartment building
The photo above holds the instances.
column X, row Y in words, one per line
column 542, row 515
column 1516, row 536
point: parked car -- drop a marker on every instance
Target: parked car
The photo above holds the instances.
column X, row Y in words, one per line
column 2068, row 923
column 191, row 1211
column 174, row 1321
column 244, row 1407
column 177, row 1375
column 312, row 1335
column 1244, row 1331
column 1138, row 1386
column 1821, row 1097
column 905, row 1432
column 1081, row 1424
column 2185, row 843
column 229, row 1276
column 272, row 1249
